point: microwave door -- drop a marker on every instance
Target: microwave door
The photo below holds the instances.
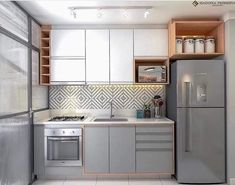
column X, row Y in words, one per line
column 151, row 74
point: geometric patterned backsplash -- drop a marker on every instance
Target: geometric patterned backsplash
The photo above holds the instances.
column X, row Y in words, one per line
column 99, row 96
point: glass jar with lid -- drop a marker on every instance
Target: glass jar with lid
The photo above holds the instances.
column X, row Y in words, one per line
column 179, row 44
column 199, row 44
column 210, row 44
column 189, row 44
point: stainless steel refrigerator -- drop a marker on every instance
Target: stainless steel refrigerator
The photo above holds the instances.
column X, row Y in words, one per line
column 195, row 101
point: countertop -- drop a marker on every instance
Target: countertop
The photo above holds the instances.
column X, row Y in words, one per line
column 90, row 121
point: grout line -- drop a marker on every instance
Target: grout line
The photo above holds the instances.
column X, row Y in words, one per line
column 63, row 182
column 96, row 179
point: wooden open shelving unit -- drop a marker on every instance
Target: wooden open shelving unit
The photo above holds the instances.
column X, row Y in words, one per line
column 202, row 27
column 151, row 61
column 45, row 56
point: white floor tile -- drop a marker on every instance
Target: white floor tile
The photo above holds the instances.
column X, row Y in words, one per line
column 49, row 182
column 145, row 182
column 112, row 182
column 80, row 182
column 168, row 182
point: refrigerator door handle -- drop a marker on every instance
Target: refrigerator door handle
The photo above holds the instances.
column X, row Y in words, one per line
column 187, row 86
column 188, row 137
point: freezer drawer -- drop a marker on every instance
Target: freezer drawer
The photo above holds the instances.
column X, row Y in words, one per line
column 200, row 145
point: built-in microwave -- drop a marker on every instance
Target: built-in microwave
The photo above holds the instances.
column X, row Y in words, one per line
column 152, row 74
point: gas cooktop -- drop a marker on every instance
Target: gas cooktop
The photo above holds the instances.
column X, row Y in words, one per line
column 67, row 118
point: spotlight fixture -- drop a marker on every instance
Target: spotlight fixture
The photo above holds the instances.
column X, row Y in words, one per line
column 124, row 13
column 74, row 13
column 100, row 10
column 99, row 13
column 146, row 13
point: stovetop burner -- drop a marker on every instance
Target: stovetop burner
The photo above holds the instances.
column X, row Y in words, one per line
column 67, row 118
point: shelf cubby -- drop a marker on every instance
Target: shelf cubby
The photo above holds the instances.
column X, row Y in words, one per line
column 204, row 27
column 45, row 56
column 151, row 61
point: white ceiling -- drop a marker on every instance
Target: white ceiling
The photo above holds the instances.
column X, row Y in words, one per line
column 56, row 12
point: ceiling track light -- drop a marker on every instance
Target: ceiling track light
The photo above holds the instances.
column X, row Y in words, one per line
column 99, row 13
column 74, row 13
column 146, row 13
column 74, row 10
column 124, row 13
column 111, row 7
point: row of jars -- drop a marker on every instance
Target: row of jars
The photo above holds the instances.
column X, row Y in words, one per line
column 195, row 44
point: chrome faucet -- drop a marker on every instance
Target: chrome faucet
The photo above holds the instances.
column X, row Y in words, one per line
column 111, row 109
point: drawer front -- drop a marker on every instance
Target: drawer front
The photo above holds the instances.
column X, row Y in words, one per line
column 159, row 161
column 154, row 145
column 157, row 128
column 154, row 137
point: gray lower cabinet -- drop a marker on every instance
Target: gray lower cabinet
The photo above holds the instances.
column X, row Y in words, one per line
column 154, row 149
column 96, row 149
column 122, row 149
column 129, row 149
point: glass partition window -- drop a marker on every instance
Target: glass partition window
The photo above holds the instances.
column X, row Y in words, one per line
column 13, row 76
column 14, row 150
column 39, row 93
column 36, row 34
column 13, row 19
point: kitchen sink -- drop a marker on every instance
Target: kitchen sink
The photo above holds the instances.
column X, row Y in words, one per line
column 110, row 119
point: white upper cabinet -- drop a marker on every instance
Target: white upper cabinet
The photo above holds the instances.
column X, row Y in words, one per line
column 67, row 71
column 97, row 56
column 68, row 43
column 150, row 42
column 121, row 56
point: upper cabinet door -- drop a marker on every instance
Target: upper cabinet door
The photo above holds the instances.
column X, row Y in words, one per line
column 121, row 56
column 150, row 42
column 67, row 72
column 68, row 43
column 97, row 56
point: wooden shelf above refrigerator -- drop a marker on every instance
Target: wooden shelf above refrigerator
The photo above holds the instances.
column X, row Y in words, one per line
column 203, row 27
column 184, row 56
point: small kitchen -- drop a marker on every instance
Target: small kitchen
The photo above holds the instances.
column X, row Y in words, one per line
column 116, row 93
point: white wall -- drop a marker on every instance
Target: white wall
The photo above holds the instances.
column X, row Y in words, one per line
column 230, row 66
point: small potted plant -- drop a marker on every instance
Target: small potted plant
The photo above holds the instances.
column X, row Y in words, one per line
column 147, row 112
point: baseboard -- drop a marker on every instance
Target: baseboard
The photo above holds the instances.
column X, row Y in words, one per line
column 232, row 181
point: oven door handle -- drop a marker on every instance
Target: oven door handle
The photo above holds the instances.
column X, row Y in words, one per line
column 63, row 138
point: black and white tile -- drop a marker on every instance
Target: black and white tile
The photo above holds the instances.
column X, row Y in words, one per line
column 99, row 96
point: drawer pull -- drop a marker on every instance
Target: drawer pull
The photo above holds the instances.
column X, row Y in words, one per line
column 153, row 149
column 153, row 133
column 153, row 141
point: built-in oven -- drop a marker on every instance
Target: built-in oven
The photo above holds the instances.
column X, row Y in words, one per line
column 63, row 147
